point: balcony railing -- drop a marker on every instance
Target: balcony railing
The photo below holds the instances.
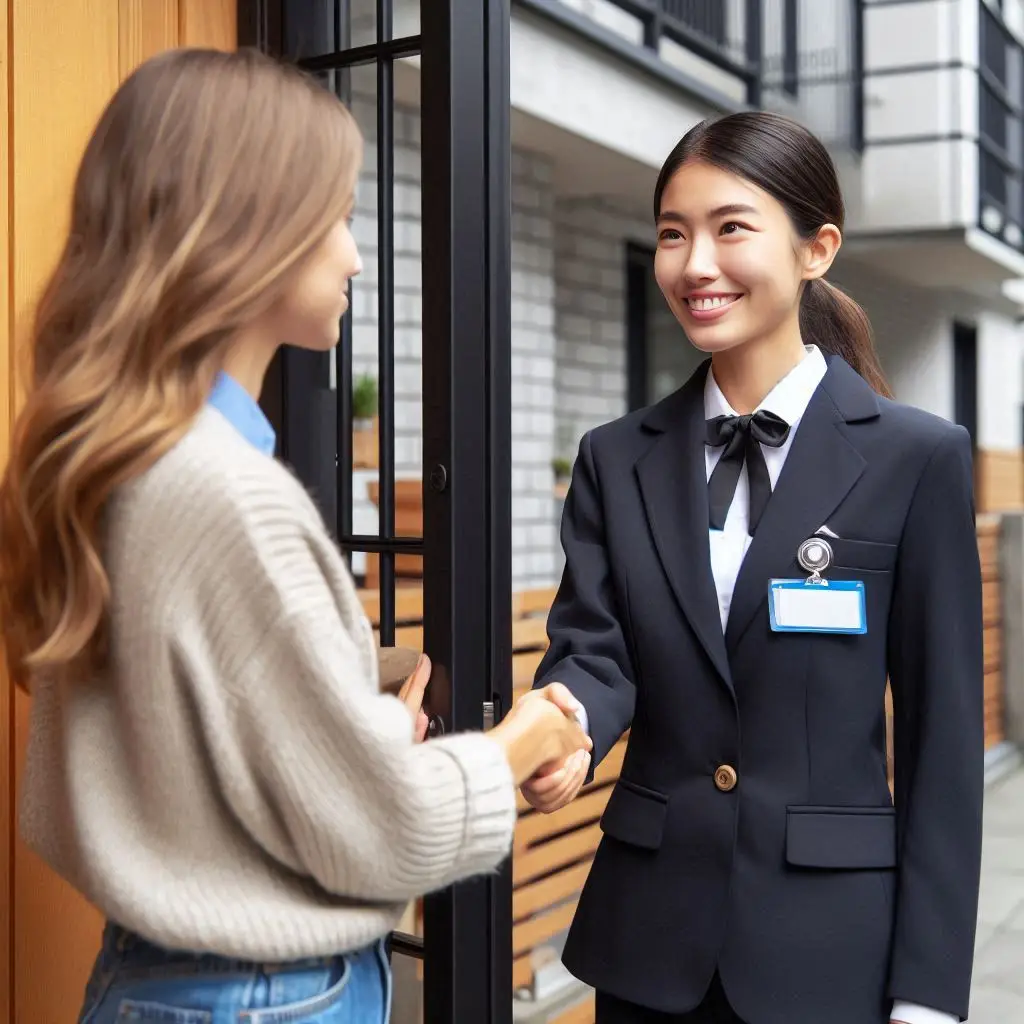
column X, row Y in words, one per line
column 725, row 33
column 800, row 57
column 1000, row 129
column 813, row 67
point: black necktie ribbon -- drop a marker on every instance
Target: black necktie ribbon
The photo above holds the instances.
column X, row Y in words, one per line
column 742, row 437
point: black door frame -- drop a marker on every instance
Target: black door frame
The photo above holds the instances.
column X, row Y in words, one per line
column 638, row 269
column 466, row 259
column 965, row 377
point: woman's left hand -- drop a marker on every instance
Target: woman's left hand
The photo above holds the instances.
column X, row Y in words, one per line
column 411, row 695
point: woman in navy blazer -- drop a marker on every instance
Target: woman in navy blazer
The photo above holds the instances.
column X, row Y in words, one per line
column 753, row 867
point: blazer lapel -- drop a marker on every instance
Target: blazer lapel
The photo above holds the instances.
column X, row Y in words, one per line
column 821, row 468
column 673, row 481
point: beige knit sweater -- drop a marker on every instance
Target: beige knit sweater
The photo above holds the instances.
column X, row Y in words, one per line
column 235, row 783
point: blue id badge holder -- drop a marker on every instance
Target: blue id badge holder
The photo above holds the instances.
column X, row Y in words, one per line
column 817, row 605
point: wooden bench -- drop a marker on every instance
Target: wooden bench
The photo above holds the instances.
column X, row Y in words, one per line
column 992, row 614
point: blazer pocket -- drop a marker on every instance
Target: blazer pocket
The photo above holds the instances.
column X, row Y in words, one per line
column 635, row 814
column 870, row 556
column 841, row 837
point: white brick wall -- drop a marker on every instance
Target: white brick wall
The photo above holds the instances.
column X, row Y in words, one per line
column 913, row 334
column 591, row 375
column 407, row 271
column 590, row 319
column 408, row 289
column 534, row 528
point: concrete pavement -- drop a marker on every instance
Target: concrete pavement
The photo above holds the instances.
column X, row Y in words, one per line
column 998, row 991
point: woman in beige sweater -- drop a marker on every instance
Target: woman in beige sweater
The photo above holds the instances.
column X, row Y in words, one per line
column 210, row 760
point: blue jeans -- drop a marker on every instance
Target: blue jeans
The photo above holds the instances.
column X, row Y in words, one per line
column 135, row 981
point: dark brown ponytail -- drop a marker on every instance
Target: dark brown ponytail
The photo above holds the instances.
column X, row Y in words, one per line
column 836, row 324
column 784, row 159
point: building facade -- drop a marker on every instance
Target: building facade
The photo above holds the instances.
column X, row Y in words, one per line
column 919, row 103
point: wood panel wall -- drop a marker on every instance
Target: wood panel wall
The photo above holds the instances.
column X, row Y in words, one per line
column 62, row 61
column 999, row 480
column 992, row 612
column 144, row 28
column 211, row 23
column 6, row 746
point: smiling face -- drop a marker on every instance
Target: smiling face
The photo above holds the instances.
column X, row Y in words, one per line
column 729, row 262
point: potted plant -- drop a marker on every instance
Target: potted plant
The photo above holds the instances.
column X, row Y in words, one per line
column 364, row 422
column 563, row 471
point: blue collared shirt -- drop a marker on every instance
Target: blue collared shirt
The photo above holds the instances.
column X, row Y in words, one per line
column 243, row 412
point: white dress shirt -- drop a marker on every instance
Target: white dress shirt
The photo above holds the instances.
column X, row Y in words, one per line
column 788, row 399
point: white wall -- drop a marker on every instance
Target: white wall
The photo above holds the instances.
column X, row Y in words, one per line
column 614, row 19
column 913, row 335
column 560, row 77
column 918, row 183
column 590, row 316
column 1013, row 15
column 1000, row 382
column 609, row 16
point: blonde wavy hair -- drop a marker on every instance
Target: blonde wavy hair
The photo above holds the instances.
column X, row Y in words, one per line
column 209, row 180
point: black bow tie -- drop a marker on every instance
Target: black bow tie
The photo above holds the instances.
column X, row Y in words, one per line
column 742, row 437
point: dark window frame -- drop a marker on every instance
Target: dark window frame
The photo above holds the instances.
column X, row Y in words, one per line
column 965, row 378
column 637, row 268
column 791, row 48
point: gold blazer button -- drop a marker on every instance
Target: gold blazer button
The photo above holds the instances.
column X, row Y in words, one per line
column 726, row 777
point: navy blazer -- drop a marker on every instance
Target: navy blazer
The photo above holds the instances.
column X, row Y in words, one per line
column 814, row 897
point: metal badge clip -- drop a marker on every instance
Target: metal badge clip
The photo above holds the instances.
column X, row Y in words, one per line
column 815, row 556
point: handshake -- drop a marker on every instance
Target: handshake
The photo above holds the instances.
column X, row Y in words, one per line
column 547, row 750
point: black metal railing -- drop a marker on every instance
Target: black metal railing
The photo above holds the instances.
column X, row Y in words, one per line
column 813, row 67
column 464, row 185
column 800, row 57
column 316, row 420
column 703, row 28
column 1000, row 130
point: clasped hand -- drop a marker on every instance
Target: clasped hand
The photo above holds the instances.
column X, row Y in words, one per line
column 548, row 752
column 557, row 782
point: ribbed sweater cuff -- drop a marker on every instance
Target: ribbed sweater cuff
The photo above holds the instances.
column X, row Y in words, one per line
column 490, row 813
